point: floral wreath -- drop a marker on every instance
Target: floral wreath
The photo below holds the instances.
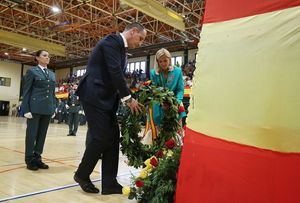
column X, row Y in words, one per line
column 157, row 180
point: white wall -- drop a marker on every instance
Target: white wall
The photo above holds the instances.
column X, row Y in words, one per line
column 152, row 59
column 192, row 54
column 26, row 67
column 62, row 73
column 144, row 58
column 177, row 53
column 13, row 71
column 173, row 54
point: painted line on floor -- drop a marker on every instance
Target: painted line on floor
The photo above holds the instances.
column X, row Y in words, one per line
column 62, row 159
column 12, row 169
column 50, row 160
column 13, row 150
column 14, row 164
column 54, row 189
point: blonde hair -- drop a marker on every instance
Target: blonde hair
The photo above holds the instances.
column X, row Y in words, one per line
column 161, row 53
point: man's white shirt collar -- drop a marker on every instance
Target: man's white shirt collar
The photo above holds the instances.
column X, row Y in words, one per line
column 124, row 40
column 125, row 45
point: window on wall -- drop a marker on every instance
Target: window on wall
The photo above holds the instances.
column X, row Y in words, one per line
column 136, row 66
column 5, row 81
column 143, row 66
column 177, row 60
column 131, row 67
column 80, row 72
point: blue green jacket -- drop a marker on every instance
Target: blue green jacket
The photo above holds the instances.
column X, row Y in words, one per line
column 39, row 92
column 74, row 103
column 173, row 82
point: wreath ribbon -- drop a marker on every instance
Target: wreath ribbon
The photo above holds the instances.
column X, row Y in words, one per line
column 150, row 124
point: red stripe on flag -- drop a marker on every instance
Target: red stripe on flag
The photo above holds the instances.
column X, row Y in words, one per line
column 220, row 10
column 215, row 170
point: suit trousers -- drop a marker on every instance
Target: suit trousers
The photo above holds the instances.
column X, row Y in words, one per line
column 35, row 135
column 103, row 139
column 73, row 122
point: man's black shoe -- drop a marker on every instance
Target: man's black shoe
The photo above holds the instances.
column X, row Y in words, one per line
column 116, row 189
column 32, row 167
column 41, row 165
column 86, row 186
column 71, row 134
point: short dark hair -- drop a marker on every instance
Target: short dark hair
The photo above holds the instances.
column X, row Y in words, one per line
column 38, row 53
column 137, row 25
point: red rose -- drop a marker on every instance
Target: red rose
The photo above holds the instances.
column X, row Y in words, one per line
column 159, row 154
column 147, row 83
column 139, row 183
column 170, row 144
column 181, row 109
column 154, row 162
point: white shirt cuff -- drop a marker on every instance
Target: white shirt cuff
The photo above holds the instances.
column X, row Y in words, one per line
column 125, row 98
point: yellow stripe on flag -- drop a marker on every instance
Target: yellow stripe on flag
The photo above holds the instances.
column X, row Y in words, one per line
column 247, row 87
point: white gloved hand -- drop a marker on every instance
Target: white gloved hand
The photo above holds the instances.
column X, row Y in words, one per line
column 67, row 106
column 53, row 115
column 28, row 115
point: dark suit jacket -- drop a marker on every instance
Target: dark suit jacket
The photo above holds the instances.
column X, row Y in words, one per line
column 104, row 82
column 39, row 92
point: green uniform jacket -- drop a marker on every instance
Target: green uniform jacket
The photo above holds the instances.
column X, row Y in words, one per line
column 39, row 92
column 74, row 103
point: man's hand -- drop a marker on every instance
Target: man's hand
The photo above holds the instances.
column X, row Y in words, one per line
column 67, row 106
column 28, row 115
column 134, row 106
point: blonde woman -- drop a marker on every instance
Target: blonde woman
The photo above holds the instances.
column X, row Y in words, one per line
column 168, row 76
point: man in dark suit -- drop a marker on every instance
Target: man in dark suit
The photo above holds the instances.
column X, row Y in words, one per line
column 38, row 105
column 99, row 91
column 73, row 106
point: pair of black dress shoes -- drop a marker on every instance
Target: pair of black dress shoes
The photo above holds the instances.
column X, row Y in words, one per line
column 36, row 164
column 71, row 134
column 89, row 187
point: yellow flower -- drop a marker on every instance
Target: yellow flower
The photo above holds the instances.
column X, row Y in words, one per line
column 148, row 168
column 144, row 174
column 126, row 190
column 147, row 163
column 170, row 153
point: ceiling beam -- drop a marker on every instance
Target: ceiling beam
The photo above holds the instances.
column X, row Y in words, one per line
column 18, row 40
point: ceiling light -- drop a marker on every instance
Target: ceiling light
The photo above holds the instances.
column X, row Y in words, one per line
column 24, row 49
column 6, row 53
column 55, row 9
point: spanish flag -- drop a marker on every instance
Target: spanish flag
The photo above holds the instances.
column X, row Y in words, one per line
column 242, row 143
